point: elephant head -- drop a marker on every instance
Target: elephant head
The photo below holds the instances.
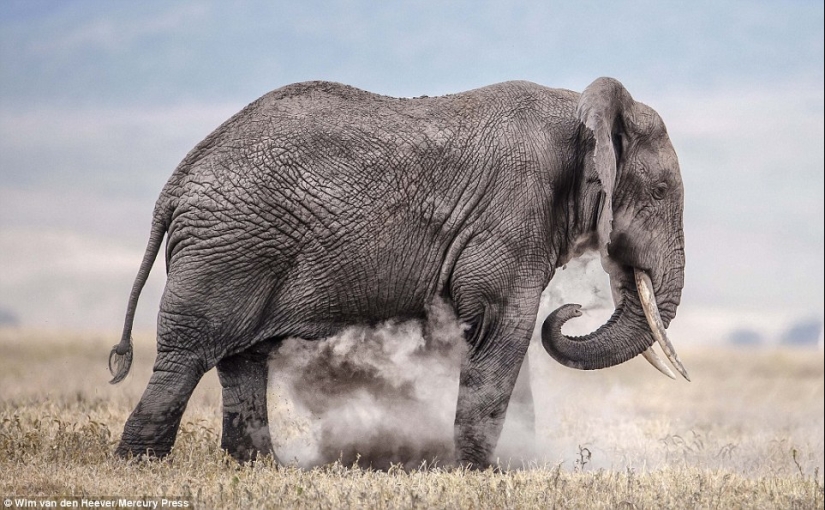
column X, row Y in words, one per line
column 638, row 228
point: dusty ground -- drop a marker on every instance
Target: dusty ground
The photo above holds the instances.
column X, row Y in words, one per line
column 746, row 433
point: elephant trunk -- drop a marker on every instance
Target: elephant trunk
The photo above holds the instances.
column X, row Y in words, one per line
column 634, row 326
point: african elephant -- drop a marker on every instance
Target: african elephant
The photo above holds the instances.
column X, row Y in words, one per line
column 320, row 206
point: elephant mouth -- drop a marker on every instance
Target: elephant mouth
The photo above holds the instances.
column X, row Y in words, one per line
column 623, row 337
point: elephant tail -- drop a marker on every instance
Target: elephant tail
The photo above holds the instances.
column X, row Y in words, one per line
column 120, row 358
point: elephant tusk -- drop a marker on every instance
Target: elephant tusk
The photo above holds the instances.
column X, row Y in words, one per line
column 654, row 359
column 654, row 320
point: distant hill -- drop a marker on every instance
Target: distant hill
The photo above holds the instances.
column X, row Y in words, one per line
column 8, row 318
column 745, row 337
column 805, row 332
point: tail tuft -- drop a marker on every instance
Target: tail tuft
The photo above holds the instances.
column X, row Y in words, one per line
column 120, row 361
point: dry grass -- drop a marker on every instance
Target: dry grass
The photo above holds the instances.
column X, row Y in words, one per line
column 622, row 438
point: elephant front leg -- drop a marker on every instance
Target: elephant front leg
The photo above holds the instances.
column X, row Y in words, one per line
column 245, row 422
column 485, row 386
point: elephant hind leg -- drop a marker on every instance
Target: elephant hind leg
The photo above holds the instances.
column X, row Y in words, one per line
column 245, row 433
column 180, row 364
column 153, row 425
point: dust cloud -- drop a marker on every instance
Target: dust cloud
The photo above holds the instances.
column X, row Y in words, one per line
column 387, row 395
column 371, row 396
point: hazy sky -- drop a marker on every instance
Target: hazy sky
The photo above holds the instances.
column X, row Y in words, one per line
column 99, row 101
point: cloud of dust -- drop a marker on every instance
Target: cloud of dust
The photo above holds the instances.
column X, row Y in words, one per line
column 372, row 395
column 387, row 395
column 582, row 281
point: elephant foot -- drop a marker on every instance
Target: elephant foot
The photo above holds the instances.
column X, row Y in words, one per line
column 144, row 442
column 475, row 444
column 128, row 452
column 251, row 455
column 246, row 443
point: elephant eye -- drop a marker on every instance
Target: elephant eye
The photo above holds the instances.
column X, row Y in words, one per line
column 660, row 191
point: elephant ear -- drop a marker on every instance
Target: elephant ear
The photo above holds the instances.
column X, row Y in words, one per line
column 602, row 108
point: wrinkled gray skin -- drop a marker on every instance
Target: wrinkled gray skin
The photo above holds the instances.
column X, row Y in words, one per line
column 321, row 206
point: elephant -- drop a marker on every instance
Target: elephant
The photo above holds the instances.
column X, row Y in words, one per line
column 321, row 206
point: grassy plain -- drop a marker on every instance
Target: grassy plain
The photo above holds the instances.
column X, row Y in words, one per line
column 746, row 433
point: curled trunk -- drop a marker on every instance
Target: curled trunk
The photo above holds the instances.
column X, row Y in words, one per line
column 632, row 329
column 624, row 336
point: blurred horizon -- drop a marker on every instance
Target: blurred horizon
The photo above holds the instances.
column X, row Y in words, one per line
column 100, row 101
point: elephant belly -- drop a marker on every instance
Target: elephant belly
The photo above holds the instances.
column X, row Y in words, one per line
column 361, row 285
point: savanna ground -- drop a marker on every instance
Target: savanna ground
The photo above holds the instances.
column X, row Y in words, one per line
column 746, row 433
